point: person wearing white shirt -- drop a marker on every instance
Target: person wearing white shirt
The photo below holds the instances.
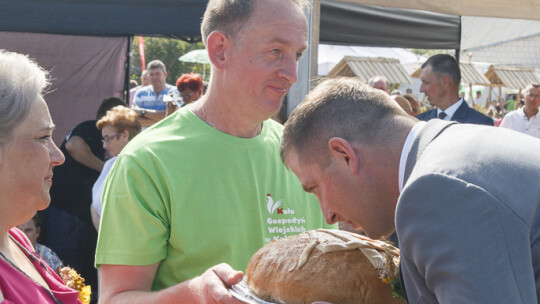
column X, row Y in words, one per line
column 526, row 119
column 118, row 127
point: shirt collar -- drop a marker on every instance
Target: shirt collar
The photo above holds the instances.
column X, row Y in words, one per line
column 451, row 110
column 406, row 150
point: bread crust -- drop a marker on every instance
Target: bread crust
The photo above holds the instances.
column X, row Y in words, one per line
column 276, row 273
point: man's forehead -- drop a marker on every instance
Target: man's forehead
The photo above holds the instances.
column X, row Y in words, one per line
column 426, row 71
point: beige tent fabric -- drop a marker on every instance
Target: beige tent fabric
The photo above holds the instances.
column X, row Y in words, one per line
column 516, row 9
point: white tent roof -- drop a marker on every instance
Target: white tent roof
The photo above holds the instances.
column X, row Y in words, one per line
column 522, row 9
column 483, row 31
column 331, row 55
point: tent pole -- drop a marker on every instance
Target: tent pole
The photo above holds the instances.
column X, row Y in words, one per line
column 126, row 69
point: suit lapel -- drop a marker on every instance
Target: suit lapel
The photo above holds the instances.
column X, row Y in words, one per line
column 461, row 112
column 431, row 130
column 432, row 114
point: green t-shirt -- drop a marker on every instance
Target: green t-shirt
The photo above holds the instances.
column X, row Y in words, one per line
column 190, row 196
column 510, row 104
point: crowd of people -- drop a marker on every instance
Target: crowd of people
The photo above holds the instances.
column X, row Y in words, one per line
column 170, row 193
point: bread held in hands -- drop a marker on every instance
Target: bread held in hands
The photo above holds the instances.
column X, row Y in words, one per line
column 325, row 265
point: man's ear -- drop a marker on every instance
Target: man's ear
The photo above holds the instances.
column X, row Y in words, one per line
column 217, row 43
column 342, row 151
column 446, row 81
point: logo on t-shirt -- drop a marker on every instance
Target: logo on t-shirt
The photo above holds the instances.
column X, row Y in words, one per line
column 271, row 206
column 282, row 222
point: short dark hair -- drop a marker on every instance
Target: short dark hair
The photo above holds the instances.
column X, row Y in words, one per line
column 229, row 16
column 156, row 64
column 443, row 64
column 343, row 107
column 107, row 104
column 37, row 220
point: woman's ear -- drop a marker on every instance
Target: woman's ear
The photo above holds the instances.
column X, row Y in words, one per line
column 343, row 152
column 125, row 134
column 217, row 43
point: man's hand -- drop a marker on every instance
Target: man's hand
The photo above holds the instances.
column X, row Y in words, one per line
column 212, row 285
column 132, row 284
column 171, row 108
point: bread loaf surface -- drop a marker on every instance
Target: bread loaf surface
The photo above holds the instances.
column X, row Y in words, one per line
column 323, row 265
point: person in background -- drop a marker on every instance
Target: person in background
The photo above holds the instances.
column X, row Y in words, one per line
column 27, row 158
column 145, row 81
column 32, row 229
column 67, row 226
column 415, row 104
column 148, row 102
column 441, row 77
column 379, row 82
column 478, row 98
column 118, row 127
column 510, row 103
column 403, row 103
column 395, row 92
column 463, row 238
column 190, row 87
column 204, row 189
column 526, row 119
column 494, row 107
column 133, row 84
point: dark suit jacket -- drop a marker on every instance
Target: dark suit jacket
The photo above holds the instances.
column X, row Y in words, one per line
column 464, row 114
column 468, row 221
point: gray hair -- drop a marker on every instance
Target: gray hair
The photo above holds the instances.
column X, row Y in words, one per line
column 229, row 16
column 22, row 82
column 339, row 107
column 376, row 78
column 156, row 64
column 531, row 86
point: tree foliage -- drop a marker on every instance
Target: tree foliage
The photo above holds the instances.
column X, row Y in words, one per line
column 168, row 50
column 431, row 52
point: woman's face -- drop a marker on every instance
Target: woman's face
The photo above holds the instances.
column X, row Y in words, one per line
column 189, row 96
column 26, row 164
column 114, row 141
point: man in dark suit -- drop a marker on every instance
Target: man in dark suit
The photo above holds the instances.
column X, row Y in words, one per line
column 440, row 83
column 463, row 238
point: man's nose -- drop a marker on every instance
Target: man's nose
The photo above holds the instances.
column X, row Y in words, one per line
column 289, row 69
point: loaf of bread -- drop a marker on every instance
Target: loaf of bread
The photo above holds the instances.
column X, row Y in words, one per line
column 324, row 265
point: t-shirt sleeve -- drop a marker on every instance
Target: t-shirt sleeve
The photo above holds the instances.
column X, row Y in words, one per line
column 84, row 130
column 134, row 228
column 91, row 135
column 137, row 98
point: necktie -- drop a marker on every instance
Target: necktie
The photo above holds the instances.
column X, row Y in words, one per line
column 442, row 115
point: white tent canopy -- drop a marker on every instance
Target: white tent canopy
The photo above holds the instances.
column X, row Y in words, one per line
column 482, row 31
column 330, row 55
column 519, row 9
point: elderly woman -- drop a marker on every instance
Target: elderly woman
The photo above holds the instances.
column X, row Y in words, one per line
column 27, row 158
column 118, row 127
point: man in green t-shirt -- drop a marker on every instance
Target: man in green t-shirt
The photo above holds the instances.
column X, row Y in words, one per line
column 205, row 186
